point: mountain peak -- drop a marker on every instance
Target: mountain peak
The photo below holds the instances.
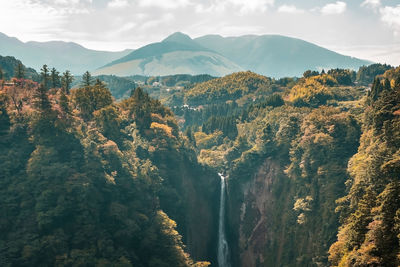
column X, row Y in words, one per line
column 179, row 37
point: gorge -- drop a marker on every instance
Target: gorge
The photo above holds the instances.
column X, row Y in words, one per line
column 310, row 167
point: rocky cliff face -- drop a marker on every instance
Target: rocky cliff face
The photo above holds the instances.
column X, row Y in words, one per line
column 254, row 215
column 191, row 199
column 266, row 227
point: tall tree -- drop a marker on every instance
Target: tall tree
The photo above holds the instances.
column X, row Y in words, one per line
column 19, row 71
column 55, row 78
column 86, row 79
column 1, row 74
column 66, row 81
column 45, row 76
column 42, row 102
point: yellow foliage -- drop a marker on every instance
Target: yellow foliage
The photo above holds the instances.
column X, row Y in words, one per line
column 230, row 86
column 164, row 128
column 206, row 141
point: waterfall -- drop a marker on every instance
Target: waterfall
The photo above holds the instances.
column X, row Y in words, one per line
column 223, row 251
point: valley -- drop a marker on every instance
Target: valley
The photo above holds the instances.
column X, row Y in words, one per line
column 199, row 170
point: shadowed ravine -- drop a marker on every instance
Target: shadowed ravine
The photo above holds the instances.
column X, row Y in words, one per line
column 223, row 249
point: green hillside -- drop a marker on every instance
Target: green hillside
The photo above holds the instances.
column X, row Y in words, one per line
column 277, row 56
column 230, row 87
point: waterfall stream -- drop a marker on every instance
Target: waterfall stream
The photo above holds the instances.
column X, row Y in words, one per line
column 223, row 250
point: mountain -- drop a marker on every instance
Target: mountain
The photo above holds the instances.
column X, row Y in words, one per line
column 58, row 54
column 277, row 56
column 8, row 65
column 177, row 54
column 270, row 55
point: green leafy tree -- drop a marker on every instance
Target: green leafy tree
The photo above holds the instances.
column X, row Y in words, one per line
column 91, row 98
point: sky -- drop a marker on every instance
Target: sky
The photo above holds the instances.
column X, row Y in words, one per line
column 368, row 29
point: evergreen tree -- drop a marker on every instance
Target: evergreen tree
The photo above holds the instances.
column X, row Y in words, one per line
column 376, row 89
column 55, row 78
column 45, row 76
column 64, row 103
column 42, row 102
column 19, row 71
column 397, row 83
column 386, row 84
column 66, row 81
column 86, row 79
column 140, row 105
column 1, row 74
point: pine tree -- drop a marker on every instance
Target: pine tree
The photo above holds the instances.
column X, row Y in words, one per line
column 55, row 78
column 42, row 102
column 66, row 81
column 376, row 89
column 19, row 71
column 1, row 74
column 64, row 104
column 397, row 83
column 386, row 84
column 45, row 76
column 86, row 79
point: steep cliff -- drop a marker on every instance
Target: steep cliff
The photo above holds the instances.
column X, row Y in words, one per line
column 281, row 210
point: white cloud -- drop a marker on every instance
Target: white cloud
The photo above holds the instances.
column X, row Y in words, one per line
column 249, row 6
column 334, row 8
column 165, row 4
column 118, row 3
column 391, row 16
column 373, row 4
column 127, row 27
column 166, row 18
column 243, row 7
column 291, row 9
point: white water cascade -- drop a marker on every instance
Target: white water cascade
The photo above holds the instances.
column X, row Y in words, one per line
column 223, row 250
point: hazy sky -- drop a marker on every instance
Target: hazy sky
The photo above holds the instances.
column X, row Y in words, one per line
column 369, row 29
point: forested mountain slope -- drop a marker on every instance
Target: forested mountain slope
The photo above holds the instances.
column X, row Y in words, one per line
column 311, row 166
column 294, row 174
column 87, row 181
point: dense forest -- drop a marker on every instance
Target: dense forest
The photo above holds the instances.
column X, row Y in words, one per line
column 87, row 181
column 312, row 167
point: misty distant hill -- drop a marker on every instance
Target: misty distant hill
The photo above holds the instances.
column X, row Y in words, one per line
column 58, row 54
column 270, row 55
column 277, row 56
column 177, row 54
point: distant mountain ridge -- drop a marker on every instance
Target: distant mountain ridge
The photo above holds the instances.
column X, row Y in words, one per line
column 176, row 54
column 270, row 55
column 276, row 55
column 58, row 54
